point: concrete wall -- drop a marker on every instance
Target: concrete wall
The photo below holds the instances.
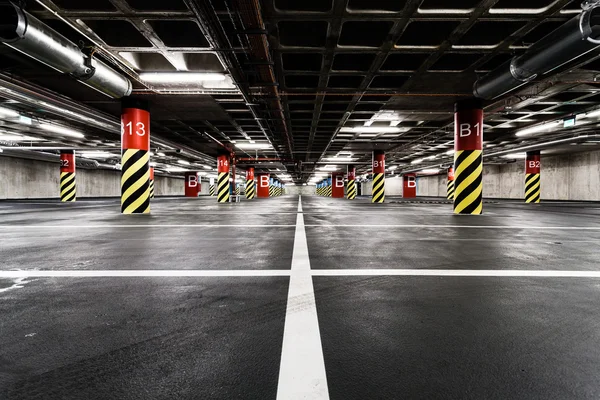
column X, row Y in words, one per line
column 27, row 179
column 569, row 177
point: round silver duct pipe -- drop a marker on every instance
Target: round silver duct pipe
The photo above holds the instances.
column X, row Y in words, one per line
column 27, row 34
column 576, row 39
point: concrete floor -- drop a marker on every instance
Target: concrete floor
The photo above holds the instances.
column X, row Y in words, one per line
column 199, row 301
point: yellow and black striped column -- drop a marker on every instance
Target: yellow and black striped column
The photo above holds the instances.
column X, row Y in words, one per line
column 329, row 192
column 378, row 192
column 151, row 182
column 351, row 185
column 533, row 177
column 68, row 184
column 250, row 184
column 468, row 157
column 135, row 157
column 450, row 191
column 223, row 185
column 271, row 187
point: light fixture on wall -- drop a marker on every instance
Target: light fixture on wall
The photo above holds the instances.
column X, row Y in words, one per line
column 62, row 130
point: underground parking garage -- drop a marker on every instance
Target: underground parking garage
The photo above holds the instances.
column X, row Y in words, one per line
column 299, row 199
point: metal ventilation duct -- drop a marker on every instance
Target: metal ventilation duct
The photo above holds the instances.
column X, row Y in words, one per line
column 27, row 34
column 576, row 39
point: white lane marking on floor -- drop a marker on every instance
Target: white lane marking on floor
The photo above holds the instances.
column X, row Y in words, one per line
column 21, row 274
column 457, row 272
column 150, row 226
column 424, row 226
column 302, row 371
column 140, row 273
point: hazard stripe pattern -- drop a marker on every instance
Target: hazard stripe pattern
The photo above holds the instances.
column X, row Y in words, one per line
column 135, row 182
column 378, row 188
column 468, row 182
column 250, row 189
column 68, row 187
column 351, row 190
column 151, row 188
column 532, row 188
column 450, row 190
column 223, row 187
column 211, row 190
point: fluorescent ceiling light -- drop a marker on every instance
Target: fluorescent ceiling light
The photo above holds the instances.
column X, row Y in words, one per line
column 538, row 128
column 183, row 162
column 340, row 159
column 373, row 129
column 206, row 167
column 449, row 152
column 98, row 154
column 253, row 146
column 430, row 170
column 417, row 161
column 19, row 138
column 516, row 155
column 180, row 77
column 176, row 169
column 161, row 154
column 5, row 112
column 393, row 168
column 62, row 130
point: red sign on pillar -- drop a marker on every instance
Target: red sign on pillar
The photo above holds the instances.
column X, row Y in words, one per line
column 337, row 185
column 533, row 163
column 451, row 173
column 135, row 129
column 409, row 188
column 67, row 161
column 250, row 174
column 263, row 185
column 351, row 173
column 192, row 184
column 378, row 162
column 468, row 129
column 151, row 173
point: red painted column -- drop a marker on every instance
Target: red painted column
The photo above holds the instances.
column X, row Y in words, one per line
column 533, row 170
column 68, row 184
column 151, row 182
column 223, row 183
column 135, row 157
column 468, row 157
column 337, row 182
column 250, row 184
column 263, row 185
column 409, row 186
column 192, row 184
column 378, row 191
column 450, row 185
column 351, row 186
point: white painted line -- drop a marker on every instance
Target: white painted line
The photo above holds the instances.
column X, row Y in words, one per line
column 423, row 226
column 140, row 273
column 457, row 272
column 302, row 371
column 148, row 226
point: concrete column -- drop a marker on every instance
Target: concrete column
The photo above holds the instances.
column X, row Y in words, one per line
column 329, row 187
column 68, row 183
column 135, row 156
column 468, row 157
column 450, row 185
column 378, row 192
column 263, row 186
column 250, row 184
column 223, row 184
column 212, row 189
column 151, row 182
column 533, row 177
column 409, row 186
column 337, row 191
column 351, row 185
column 192, row 184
